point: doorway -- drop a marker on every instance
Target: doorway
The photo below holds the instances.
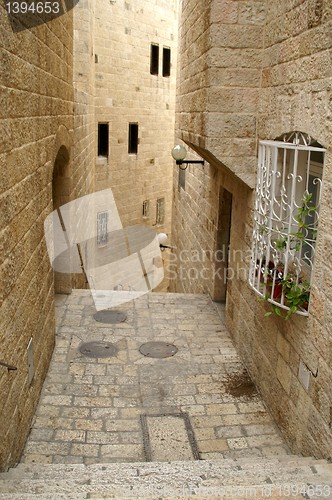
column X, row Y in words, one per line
column 221, row 255
column 61, row 187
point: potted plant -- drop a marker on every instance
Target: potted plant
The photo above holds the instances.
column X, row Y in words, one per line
column 296, row 296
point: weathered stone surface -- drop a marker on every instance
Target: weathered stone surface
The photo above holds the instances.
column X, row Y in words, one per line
column 36, row 79
column 268, row 72
column 260, row 477
column 168, row 439
column 126, row 93
column 185, row 400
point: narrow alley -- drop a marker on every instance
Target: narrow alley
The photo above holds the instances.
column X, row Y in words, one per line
column 196, row 404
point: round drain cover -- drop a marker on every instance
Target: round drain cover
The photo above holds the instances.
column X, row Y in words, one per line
column 98, row 349
column 110, row 316
column 158, row 349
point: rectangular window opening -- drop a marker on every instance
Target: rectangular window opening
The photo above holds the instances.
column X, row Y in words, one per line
column 166, row 61
column 154, row 59
column 103, row 139
column 133, row 138
column 160, row 215
column 146, row 209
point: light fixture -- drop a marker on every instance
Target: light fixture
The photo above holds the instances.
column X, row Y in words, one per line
column 179, row 153
column 162, row 238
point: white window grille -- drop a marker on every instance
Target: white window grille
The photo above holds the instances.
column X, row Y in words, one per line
column 160, row 215
column 288, row 192
column 102, row 229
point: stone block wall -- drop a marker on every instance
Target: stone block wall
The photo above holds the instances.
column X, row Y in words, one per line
column 84, row 147
column 40, row 170
column 126, row 93
column 37, row 120
column 219, row 81
column 293, row 92
column 195, row 208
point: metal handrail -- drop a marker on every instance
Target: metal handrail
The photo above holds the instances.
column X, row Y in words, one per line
column 9, row 367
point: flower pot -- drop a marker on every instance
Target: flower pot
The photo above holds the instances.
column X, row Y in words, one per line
column 277, row 291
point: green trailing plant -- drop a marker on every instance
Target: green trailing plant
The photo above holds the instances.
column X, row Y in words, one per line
column 295, row 291
column 296, row 296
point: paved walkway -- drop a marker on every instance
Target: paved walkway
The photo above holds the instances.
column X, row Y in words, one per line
column 198, row 403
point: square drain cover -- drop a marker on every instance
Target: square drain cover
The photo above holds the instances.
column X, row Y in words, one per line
column 168, row 438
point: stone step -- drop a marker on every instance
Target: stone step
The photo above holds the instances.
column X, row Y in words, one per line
column 273, row 493
column 33, row 470
column 170, row 479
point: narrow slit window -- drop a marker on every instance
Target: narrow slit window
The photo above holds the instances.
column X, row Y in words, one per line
column 160, row 215
column 146, row 209
column 166, row 61
column 133, row 138
column 154, row 59
column 103, row 139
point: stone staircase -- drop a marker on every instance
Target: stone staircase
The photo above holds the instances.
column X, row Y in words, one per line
column 280, row 477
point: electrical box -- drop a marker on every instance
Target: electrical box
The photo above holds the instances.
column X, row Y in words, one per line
column 304, row 375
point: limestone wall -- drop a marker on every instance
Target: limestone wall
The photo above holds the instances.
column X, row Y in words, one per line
column 84, row 147
column 40, row 170
column 296, row 88
column 219, row 81
column 293, row 94
column 126, row 93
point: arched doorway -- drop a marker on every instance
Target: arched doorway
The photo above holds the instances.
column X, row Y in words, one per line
column 61, row 188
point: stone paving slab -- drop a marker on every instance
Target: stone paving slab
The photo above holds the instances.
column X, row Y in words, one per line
column 295, row 477
column 90, row 409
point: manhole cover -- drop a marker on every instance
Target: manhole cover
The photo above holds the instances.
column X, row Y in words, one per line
column 110, row 316
column 158, row 350
column 98, row 349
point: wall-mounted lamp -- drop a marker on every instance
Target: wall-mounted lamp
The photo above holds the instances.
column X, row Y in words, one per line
column 162, row 238
column 179, row 153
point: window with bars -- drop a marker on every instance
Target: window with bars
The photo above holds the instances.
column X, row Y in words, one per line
column 102, row 229
column 288, row 192
column 160, row 211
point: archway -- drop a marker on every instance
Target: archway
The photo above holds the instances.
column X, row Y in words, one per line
column 61, row 188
